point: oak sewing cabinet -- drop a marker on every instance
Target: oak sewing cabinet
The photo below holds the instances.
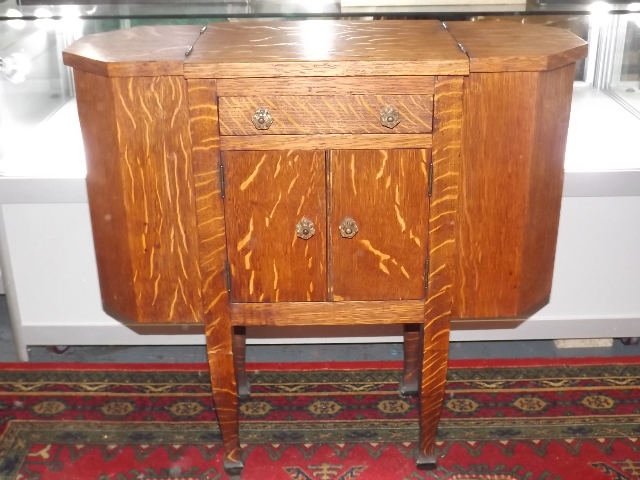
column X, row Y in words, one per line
column 325, row 173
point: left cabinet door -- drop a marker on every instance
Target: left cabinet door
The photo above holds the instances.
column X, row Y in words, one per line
column 267, row 194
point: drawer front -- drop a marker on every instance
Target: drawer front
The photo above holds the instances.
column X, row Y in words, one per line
column 267, row 194
column 318, row 114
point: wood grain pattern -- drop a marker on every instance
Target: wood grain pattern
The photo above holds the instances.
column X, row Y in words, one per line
column 267, row 194
column 211, row 240
column 514, row 139
column 325, row 142
column 385, row 192
column 239, row 361
column 412, row 341
column 155, row 151
column 509, row 47
column 327, row 313
column 309, row 115
column 141, row 196
column 138, row 51
column 325, row 48
column 96, row 109
column 442, row 252
column 396, row 85
column 546, row 178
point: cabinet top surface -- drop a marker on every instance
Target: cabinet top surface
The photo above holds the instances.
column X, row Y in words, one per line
column 325, row 48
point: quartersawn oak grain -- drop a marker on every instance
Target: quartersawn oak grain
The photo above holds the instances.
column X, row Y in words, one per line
column 309, row 115
column 96, row 109
column 386, row 193
column 393, row 85
column 155, row 149
column 326, row 142
column 442, row 255
column 514, row 139
column 140, row 189
column 138, row 51
column 511, row 47
column 327, row 313
column 212, row 257
column 266, row 195
column 325, row 48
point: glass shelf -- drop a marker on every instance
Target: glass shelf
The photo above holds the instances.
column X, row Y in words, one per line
column 33, row 9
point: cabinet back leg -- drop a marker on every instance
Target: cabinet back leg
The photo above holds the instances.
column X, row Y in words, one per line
column 412, row 357
column 239, row 356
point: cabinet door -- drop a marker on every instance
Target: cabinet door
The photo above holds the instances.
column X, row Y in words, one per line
column 266, row 195
column 386, row 193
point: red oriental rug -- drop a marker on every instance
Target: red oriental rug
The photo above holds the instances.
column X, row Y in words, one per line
column 502, row 420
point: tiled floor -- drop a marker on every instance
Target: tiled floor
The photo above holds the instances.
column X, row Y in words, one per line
column 296, row 353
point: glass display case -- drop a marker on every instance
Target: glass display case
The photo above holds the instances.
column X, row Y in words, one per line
column 36, row 88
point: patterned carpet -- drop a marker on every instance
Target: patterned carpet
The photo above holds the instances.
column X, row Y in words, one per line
column 504, row 420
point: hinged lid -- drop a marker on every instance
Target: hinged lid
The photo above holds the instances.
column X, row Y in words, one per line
column 315, row 48
column 508, row 46
column 134, row 52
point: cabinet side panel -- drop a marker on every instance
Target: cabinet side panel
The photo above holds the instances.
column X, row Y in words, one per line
column 545, row 186
column 267, row 194
column 497, row 137
column 155, row 154
column 106, row 194
column 386, row 193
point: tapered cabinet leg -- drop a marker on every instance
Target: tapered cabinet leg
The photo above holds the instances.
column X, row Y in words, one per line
column 239, row 355
column 443, row 216
column 412, row 357
column 203, row 115
column 432, row 388
column 225, row 396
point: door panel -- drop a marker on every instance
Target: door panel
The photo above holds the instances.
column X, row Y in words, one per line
column 385, row 192
column 267, row 194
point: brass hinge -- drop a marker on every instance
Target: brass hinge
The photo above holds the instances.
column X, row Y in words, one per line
column 227, row 275
column 221, row 180
column 426, row 273
column 430, row 179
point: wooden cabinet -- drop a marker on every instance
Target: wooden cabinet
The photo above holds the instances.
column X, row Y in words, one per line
column 251, row 174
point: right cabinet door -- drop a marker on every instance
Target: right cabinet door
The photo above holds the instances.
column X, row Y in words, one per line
column 378, row 223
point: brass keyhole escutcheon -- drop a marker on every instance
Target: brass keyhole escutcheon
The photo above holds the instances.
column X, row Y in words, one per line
column 305, row 229
column 262, row 119
column 348, row 227
column 389, row 117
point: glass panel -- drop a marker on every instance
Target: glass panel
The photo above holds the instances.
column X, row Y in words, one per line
column 39, row 129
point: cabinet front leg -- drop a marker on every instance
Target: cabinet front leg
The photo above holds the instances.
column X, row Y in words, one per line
column 412, row 357
column 432, row 388
column 225, row 395
column 239, row 356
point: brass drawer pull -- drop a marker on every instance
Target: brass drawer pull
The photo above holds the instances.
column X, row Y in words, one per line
column 262, row 119
column 305, row 229
column 389, row 117
column 348, row 228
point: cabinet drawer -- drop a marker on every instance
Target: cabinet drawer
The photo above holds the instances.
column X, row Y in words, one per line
column 318, row 114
